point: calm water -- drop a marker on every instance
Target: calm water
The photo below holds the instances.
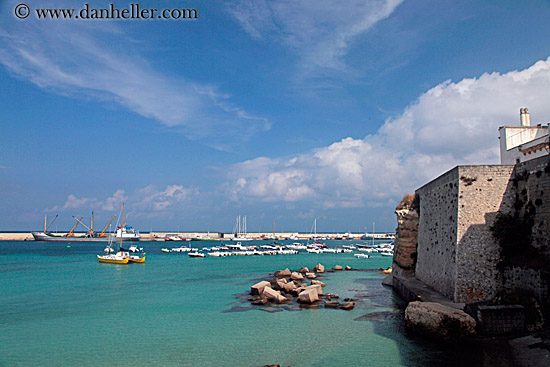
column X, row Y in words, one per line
column 60, row 306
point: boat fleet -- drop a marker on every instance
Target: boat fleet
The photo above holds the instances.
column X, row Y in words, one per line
column 363, row 250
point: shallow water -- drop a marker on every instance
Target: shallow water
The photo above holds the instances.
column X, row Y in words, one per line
column 60, row 306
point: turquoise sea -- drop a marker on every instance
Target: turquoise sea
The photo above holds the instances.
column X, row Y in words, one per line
column 60, row 307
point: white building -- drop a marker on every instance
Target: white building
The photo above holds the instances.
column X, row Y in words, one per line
column 522, row 143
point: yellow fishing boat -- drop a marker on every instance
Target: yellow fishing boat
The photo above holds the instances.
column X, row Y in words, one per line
column 136, row 259
column 113, row 258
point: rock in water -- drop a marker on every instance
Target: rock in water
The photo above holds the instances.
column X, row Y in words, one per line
column 338, row 267
column 283, row 273
column 318, row 282
column 271, row 294
column 332, row 304
column 317, row 288
column 303, row 269
column 434, row 319
column 347, row 305
column 258, row 288
column 311, row 275
column 296, row 276
column 348, row 267
column 289, row 287
column 309, row 295
column 319, row 268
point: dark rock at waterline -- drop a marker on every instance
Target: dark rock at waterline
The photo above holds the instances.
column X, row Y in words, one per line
column 347, row 305
column 260, row 302
column 332, row 304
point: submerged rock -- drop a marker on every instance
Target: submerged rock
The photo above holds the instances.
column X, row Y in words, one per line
column 347, row 305
column 332, row 304
column 435, row 320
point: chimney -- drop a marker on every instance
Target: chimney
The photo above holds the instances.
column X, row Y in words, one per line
column 524, row 117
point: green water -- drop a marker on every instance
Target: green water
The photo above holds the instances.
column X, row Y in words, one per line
column 61, row 307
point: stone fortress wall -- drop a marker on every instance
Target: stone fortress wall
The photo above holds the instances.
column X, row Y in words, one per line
column 438, row 209
column 456, row 252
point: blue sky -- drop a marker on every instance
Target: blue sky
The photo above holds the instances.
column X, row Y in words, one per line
column 283, row 111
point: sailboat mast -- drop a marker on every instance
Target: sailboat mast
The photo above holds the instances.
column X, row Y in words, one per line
column 45, row 220
column 121, row 231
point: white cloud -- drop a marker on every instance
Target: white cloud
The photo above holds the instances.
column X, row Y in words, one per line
column 450, row 124
column 151, row 199
column 96, row 59
column 319, row 31
column 141, row 202
column 114, row 202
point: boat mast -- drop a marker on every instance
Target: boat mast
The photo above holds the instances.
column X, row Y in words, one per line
column 122, row 225
column 45, row 220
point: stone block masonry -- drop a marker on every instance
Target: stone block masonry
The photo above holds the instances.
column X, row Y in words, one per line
column 457, row 254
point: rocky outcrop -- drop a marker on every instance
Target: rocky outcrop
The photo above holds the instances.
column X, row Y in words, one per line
column 287, row 286
column 406, row 242
column 258, row 288
column 438, row 321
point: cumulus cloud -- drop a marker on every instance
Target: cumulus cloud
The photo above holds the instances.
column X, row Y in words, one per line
column 450, row 124
column 153, row 199
column 142, row 202
column 320, row 32
column 97, row 60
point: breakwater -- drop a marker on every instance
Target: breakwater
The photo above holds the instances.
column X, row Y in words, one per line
column 160, row 236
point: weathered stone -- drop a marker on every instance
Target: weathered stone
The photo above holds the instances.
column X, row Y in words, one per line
column 347, row 305
column 311, row 275
column 332, row 304
column 406, row 242
column 296, row 276
column 436, row 320
column 279, row 284
column 348, row 267
column 281, row 299
column 270, row 294
column 388, row 280
column 283, row 273
column 318, row 282
column 258, row 288
column 289, row 287
column 303, row 269
column 317, row 287
column 309, row 295
column 319, row 268
column 338, row 267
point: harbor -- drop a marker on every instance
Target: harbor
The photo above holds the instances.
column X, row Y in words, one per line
column 221, row 236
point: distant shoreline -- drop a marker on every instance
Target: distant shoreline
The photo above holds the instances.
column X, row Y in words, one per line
column 159, row 236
